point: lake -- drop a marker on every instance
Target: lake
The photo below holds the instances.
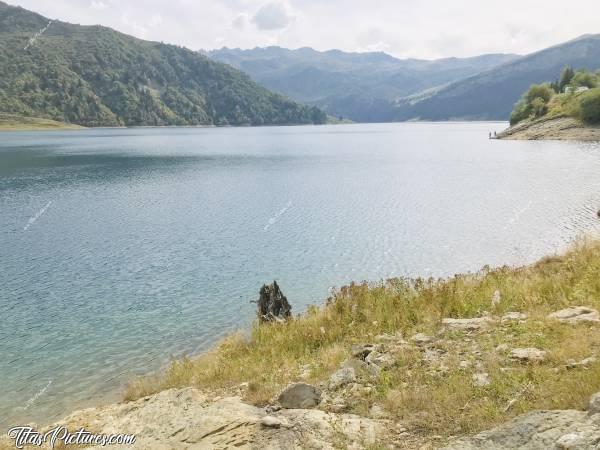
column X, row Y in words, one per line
column 123, row 248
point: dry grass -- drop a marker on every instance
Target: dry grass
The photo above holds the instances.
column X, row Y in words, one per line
column 442, row 402
column 11, row 122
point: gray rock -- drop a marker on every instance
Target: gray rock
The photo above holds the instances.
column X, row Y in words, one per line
column 342, row 377
column 377, row 412
column 270, row 422
column 538, row 430
column 188, row 418
column 299, row 396
column 476, row 323
column 514, row 316
column 503, row 348
column 422, row 339
column 528, row 355
column 576, row 315
column 374, row 370
column 361, row 351
column 383, row 360
column 594, row 406
column 572, row 364
column 481, row 379
column 357, row 364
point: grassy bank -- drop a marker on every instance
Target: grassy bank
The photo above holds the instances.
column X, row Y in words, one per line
column 11, row 122
column 442, row 401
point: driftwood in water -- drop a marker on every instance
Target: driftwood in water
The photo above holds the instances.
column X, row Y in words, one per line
column 273, row 306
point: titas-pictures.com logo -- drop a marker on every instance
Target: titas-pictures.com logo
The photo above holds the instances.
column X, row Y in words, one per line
column 27, row 436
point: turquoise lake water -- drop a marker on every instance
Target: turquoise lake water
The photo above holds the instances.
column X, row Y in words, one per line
column 120, row 249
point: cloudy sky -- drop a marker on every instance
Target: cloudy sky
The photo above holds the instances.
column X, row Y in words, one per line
column 403, row 28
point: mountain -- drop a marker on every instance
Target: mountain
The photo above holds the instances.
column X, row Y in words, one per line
column 491, row 95
column 95, row 76
column 359, row 86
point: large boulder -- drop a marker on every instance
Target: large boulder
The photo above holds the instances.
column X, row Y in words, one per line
column 473, row 324
column 576, row 315
column 342, row 377
column 538, row 430
column 187, row 418
column 299, row 396
column 528, row 355
column 594, row 406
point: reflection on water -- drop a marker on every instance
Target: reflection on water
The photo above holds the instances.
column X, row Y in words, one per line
column 152, row 242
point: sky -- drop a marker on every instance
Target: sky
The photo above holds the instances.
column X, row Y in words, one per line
column 425, row 29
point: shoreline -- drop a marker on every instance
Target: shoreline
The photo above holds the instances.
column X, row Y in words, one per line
column 61, row 126
column 398, row 325
column 551, row 128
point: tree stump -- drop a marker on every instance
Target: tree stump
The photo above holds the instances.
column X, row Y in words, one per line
column 273, row 306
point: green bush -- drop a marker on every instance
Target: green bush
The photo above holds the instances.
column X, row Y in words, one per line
column 589, row 106
column 585, row 79
column 533, row 104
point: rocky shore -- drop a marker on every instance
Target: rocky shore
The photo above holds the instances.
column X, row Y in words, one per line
column 502, row 359
column 558, row 129
column 306, row 416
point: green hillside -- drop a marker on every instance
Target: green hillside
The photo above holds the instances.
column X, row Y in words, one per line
column 360, row 86
column 491, row 95
column 575, row 94
column 95, row 76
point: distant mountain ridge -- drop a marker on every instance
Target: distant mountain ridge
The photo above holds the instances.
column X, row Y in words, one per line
column 95, row 76
column 492, row 94
column 361, row 86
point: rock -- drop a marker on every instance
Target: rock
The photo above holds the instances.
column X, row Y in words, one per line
column 342, row 377
column 383, row 360
column 299, row 396
column 187, row 418
column 374, row 370
column 496, row 297
column 422, row 339
column 594, row 406
column 503, row 348
column 528, row 355
column 538, row 430
column 576, row 315
column 570, row 441
column 338, row 405
column 270, row 409
column 272, row 305
column 513, row 316
column 433, row 356
column 476, row 323
column 377, row 411
column 481, row 379
column 357, row 364
column 270, row 422
column 361, row 351
column 572, row 364
column 464, row 364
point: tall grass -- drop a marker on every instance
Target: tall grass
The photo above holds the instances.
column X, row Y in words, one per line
column 446, row 402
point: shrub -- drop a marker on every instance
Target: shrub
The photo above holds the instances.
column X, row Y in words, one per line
column 585, row 79
column 589, row 106
column 533, row 104
column 566, row 76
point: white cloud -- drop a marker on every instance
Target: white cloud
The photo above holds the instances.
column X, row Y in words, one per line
column 404, row 28
column 240, row 22
column 99, row 4
column 273, row 16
